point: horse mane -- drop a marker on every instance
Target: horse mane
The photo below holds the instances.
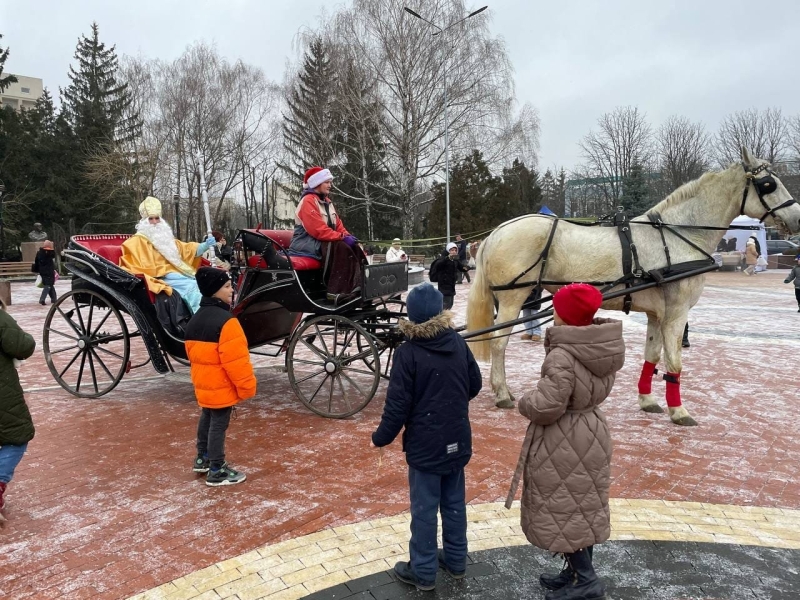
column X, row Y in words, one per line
column 686, row 192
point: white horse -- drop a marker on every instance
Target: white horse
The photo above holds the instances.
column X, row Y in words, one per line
column 593, row 254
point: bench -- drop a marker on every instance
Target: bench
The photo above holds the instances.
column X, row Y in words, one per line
column 15, row 269
column 418, row 259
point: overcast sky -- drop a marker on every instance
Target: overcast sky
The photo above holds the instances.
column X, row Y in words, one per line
column 574, row 59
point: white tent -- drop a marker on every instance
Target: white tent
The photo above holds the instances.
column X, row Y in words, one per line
column 741, row 235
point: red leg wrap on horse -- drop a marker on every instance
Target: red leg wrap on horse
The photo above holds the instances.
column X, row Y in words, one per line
column 646, row 378
column 674, row 391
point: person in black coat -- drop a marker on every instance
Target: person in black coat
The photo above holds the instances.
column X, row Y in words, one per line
column 45, row 266
column 463, row 258
column 434, row 376
column 444, row 271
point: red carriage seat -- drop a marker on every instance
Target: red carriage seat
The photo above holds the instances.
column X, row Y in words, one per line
column 110, row 253
column 284, row 238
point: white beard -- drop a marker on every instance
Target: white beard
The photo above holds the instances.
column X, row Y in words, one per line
column 160, row 235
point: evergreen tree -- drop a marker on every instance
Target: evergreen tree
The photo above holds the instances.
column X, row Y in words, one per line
column 473, row 199
column 560, row 204
column 310, row 125
column 95, row 101
column 550, row 191
column 520, row 192
column 8, row 79
column 635, row 192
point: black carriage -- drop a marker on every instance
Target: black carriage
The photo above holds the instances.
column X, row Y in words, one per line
column 335, row 355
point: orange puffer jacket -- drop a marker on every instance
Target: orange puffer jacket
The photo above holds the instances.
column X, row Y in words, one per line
column 217, row 349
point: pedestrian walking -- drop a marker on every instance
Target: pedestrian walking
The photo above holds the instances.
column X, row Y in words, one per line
column 221, row 373
column 565, row 462
column 794, row 275
column 463, row 258
column 444, row 272
column 16, row 424
column 433, row 378
column 533, row 329
column 751, row 254
column 45, row 265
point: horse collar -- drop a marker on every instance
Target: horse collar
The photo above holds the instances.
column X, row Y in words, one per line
column 764, row 186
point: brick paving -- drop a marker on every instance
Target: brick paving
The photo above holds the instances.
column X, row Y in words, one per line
column 104, row 504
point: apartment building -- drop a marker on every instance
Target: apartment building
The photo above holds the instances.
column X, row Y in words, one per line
column 22, row 94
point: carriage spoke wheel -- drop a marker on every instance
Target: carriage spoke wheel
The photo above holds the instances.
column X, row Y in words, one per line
column 86, row 344
column 382, row 328
column 326, row 366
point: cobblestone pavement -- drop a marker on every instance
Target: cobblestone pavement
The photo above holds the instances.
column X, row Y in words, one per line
column 105, row 506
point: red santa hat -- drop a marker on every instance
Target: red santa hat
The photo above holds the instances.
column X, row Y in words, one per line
column 577, row 303
column 316, row 176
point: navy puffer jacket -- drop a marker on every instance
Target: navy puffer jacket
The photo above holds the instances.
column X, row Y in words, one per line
column 434, row 376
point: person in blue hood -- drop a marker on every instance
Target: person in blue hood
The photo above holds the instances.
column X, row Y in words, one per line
column 434, row 376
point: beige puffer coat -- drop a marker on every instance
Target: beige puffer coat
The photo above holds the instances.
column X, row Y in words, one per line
column 751, row 254
column 566, row 456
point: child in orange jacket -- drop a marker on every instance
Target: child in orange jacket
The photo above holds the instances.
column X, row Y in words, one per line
column 221, row 373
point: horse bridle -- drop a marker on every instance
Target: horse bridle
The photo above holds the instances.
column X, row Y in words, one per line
column 764, row 186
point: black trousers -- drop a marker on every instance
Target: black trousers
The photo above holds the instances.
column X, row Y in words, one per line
column 48, row 290
column 211, row 434
column 447, row 303
column 797, row 296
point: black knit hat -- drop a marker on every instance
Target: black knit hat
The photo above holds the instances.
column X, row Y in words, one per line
column 210, row 280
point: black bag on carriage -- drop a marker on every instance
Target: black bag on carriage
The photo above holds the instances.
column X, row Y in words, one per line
column 173, row 314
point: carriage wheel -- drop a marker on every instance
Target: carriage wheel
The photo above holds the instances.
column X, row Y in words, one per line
column 326, row 369
column 86, row 344
column 385, row 342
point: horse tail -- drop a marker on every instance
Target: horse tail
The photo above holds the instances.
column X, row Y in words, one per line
column 480, row 308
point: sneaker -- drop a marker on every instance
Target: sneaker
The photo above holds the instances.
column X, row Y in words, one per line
column 453, row 574
column 536, row 337
column 526, row 337
column 224, row 476
column 201, row 464
column 403, row 572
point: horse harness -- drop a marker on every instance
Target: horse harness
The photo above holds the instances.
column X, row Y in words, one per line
column 634, row 277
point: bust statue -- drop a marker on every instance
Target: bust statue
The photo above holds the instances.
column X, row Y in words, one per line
column 37, row 235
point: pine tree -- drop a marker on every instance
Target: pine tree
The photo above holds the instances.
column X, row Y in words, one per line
column 549, row 191
column 635, row 193
column 95, row 101
column 519, row 192
column 560, row 205
column 8, row 79
column 310, row 127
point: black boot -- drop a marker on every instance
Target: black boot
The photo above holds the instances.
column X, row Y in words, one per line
column 586, row 586
column 556, row 581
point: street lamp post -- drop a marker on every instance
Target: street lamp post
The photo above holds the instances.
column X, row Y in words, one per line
column 176, row 199
column 446, row 121
column 2, row 225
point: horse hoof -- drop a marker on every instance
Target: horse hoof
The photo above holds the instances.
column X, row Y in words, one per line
column 688, row 421
column 680, row 416
column 504, row 404
column 649, row 404
column 652, row 408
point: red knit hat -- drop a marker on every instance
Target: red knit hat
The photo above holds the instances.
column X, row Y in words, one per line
column 577, row 303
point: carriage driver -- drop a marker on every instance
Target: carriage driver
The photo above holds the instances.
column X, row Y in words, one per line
column 320, row 233
column 165, row 262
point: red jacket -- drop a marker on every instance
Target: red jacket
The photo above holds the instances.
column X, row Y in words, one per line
column 315, row 221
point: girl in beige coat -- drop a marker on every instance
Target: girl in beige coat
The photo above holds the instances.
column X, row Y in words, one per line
column 566, row 457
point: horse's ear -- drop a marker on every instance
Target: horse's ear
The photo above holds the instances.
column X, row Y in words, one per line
column 747, row 158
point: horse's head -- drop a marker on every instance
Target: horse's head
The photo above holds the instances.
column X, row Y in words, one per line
column 766, row 197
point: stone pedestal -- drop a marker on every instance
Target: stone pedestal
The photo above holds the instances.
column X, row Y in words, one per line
column 29, row 250
column 415, row 275
column 5, row 291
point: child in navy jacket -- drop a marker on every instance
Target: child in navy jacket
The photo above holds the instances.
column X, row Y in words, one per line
column 434, row 376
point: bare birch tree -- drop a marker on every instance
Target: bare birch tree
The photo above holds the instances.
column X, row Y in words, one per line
column 622, row 140
column 765, row 133
column 683, row 151
column 794, row 137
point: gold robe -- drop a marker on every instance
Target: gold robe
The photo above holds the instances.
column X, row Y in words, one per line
column 140, row 257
